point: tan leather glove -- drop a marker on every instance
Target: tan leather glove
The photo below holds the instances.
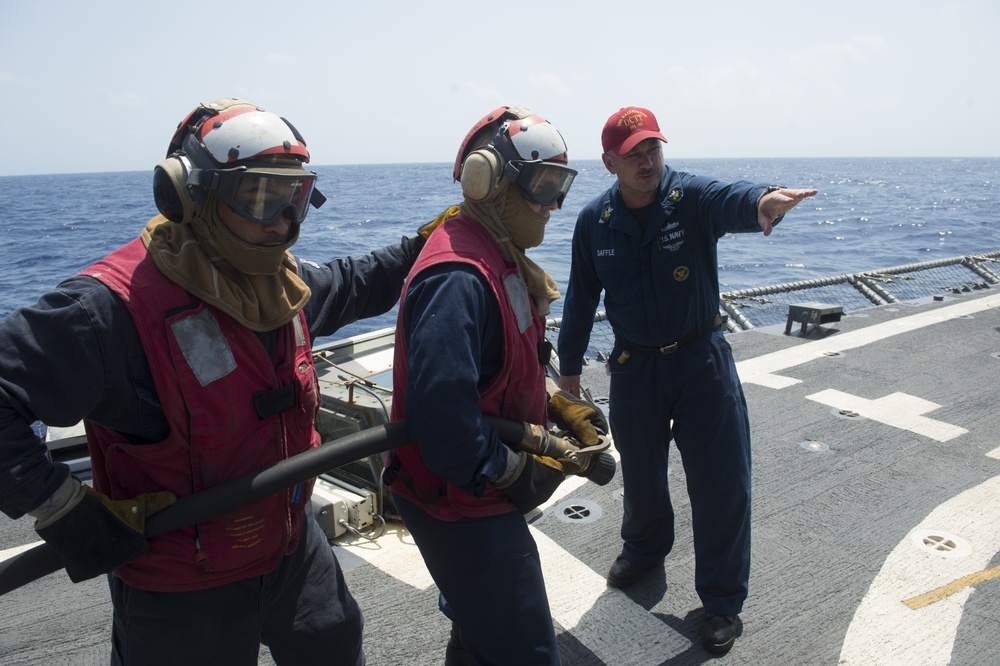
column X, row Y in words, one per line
column 582, row 418
column 428, row 228
column 592, row 462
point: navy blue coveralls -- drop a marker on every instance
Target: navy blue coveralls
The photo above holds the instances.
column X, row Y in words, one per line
column 487, row 569
column 661, row 286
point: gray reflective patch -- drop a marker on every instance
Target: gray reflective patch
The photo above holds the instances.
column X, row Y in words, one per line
column 300, row 336
column 204, row 347
column 517, row 292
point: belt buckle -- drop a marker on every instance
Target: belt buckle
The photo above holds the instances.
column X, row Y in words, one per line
column 668, row 349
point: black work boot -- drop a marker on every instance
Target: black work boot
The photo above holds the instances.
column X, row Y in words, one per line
column 719, row 632
column 624, row 572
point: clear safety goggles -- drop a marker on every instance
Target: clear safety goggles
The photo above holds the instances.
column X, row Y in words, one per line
column 262, row 195
column 545, row 183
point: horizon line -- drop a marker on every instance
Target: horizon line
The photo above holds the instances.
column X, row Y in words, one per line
column 597, row 160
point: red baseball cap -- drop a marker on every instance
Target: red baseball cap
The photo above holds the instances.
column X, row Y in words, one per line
column 627, row 127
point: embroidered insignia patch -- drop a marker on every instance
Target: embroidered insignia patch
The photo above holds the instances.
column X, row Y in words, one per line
column 682, row 273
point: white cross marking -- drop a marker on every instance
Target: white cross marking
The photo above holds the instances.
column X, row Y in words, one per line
column 896, row 409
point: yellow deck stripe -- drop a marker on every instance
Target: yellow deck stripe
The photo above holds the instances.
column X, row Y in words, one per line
column 951, row 588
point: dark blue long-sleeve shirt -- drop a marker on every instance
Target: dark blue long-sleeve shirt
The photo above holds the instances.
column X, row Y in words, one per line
column 455, row 345
column 659, row 276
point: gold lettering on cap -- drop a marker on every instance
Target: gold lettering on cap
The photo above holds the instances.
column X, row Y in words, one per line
column 633, row 118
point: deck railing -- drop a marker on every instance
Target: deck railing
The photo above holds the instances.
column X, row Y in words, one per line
column 768, row 305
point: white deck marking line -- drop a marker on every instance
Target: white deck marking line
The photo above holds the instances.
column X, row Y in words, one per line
column 763, row 369
column 896, row 409
column 886, row 631
column 615, row 628
column 11, row 552
column 394, row 554
column 995, row 453
column 579, row 597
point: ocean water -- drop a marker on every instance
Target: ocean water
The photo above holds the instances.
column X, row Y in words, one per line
column 870, row 213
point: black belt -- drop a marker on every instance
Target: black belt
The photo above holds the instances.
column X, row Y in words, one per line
column 674, row 346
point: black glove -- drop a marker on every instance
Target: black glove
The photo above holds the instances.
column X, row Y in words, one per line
column 95, row 534
column 582, row 418
column 529, row 480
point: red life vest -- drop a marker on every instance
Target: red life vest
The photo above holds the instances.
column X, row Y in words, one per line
column 517, row 392
column 232, row 409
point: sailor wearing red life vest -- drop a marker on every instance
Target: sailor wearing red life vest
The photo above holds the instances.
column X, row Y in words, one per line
column 470, row 343
column 187, row 355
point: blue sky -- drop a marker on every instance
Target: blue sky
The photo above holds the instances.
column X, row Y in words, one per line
column 100, row 86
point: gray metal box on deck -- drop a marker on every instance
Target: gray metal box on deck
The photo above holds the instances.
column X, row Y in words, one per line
column 812, row 313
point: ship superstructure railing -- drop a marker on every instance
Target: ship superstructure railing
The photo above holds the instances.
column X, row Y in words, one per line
column 769, row 305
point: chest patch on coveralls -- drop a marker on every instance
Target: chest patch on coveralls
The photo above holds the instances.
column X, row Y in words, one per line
column 671, row 236
column 682, row 273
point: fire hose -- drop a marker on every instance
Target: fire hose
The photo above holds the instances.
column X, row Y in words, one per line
column 593, row 463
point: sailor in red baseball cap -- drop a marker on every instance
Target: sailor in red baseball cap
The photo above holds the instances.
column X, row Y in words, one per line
column 628, row 127
column 649, row 243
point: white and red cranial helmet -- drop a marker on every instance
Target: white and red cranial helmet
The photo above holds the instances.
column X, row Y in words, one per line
column 234, row 130
column 534, row 157
column 249, row 158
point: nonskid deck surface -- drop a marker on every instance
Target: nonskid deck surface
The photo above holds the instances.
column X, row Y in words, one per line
column 876, row 520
